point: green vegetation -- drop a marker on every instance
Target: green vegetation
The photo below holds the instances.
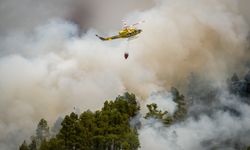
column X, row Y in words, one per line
column 240, row 87
column 248, row 148
column 181, row 111
column 165, row 117
column 105, row 129
column 24, row 146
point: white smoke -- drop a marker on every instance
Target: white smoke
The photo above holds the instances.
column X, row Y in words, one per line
column 184, row 36
column 27, row 14
column 52, row 69
column 164, row 101
column 221, row 130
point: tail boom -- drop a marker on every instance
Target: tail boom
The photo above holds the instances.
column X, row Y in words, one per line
column 101, row 38
column 108, row 38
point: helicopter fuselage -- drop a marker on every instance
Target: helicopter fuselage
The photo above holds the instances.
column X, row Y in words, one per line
column 129, row 32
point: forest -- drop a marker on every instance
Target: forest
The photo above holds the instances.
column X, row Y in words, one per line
column 110, row 128
column 105, row 129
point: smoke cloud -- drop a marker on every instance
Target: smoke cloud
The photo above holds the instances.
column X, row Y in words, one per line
column 220, row 130
column 25, row 15
column 244, row 5
column 49, row 67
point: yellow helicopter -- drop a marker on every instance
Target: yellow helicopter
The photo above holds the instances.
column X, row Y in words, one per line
column 128, row 32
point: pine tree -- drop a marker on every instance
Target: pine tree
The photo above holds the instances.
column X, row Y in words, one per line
column 69, row 131
column 106, row 129
column 42, row 131
column 158, row 114
column 44, row 145
column 181, row 111
column 33, row 145
column 55, row 144
column 154, row 112
column 88, row 127
column 24, row 146
column 248, row 148
column 235, row 78
column 163, row 115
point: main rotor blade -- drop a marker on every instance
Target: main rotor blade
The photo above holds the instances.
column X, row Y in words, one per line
column 125, row 24
column 140, row 22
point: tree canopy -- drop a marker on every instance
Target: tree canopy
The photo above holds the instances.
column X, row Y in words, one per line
column 163, row 115
column 105, row 129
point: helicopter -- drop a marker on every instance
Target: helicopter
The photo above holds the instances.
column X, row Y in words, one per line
column 128, row 32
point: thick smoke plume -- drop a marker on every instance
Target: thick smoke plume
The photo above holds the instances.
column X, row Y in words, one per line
column 47, row 71
column 25, row 15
